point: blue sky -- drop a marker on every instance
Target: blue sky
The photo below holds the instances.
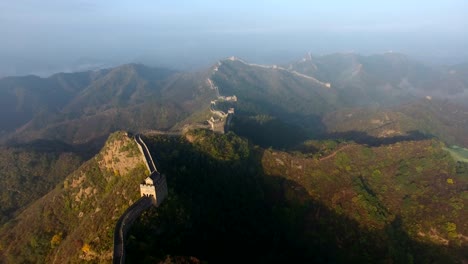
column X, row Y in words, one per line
column 185, row 31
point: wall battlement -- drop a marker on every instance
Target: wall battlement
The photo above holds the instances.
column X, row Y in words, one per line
column 153, row 191
column 154, row 186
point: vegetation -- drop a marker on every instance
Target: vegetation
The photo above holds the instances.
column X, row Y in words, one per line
column 80, row 107
column 267, row 131
column 386, row 204
column 75, row 221
column 458, row 153
column 442, row 119
column 308, row 174
column 27, row 174
column 276, row 93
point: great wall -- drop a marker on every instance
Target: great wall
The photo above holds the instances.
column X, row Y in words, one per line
column 276, row 67
column 153, row 191
column 220, row 120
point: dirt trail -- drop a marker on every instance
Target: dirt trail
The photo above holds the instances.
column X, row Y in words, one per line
column 334, row 153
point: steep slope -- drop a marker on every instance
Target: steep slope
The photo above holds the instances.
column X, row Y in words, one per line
column 29, row 172
column 274, row 93
column 273, row 90
column 75, row 221
column 412, row 185
column 231, row 202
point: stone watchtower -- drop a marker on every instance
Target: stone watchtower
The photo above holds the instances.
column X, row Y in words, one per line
column 154, row 186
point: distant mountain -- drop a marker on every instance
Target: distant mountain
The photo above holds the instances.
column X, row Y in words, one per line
column 121, row 86
column 387, row 78
column 337, row 93
column 458, row 77
column 338, row 158
column 430, row 118
column 78, row 107
column 23, row 98
column 269, row 90
column 274, row 90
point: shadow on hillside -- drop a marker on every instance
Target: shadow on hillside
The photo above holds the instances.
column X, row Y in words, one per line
column 85, row 150
column 270, row 131
column 231, row 211
column 364, row 138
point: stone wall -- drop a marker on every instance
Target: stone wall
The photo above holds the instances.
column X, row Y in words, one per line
column 124, row 224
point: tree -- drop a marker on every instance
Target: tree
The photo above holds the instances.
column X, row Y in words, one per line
column 56, row 239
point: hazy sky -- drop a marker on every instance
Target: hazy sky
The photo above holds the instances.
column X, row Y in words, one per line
column 187, row 33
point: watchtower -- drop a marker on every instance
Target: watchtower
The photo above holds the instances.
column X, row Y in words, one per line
column 154, row 186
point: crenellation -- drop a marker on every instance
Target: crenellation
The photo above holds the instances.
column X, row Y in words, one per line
column 224, row 119
column 153, row 191
column 154, row 186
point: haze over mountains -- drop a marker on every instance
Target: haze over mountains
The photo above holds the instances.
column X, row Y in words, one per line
column 357, row 149
column 286, row 131
column 104, row 100
column 78, row 107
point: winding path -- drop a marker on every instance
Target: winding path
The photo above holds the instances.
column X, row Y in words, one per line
column 133, row 212
column 149, row 159
column 334, row 153
column 124, row 223
column 279, row 68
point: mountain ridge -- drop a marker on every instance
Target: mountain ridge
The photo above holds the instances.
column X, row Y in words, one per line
column 75, row 221
column 117, row 94
column 365, row 154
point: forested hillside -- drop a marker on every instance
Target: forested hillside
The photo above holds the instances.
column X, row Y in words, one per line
column 74, row 222
column 28, row 173
column 230, row 201
column 331, row 159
